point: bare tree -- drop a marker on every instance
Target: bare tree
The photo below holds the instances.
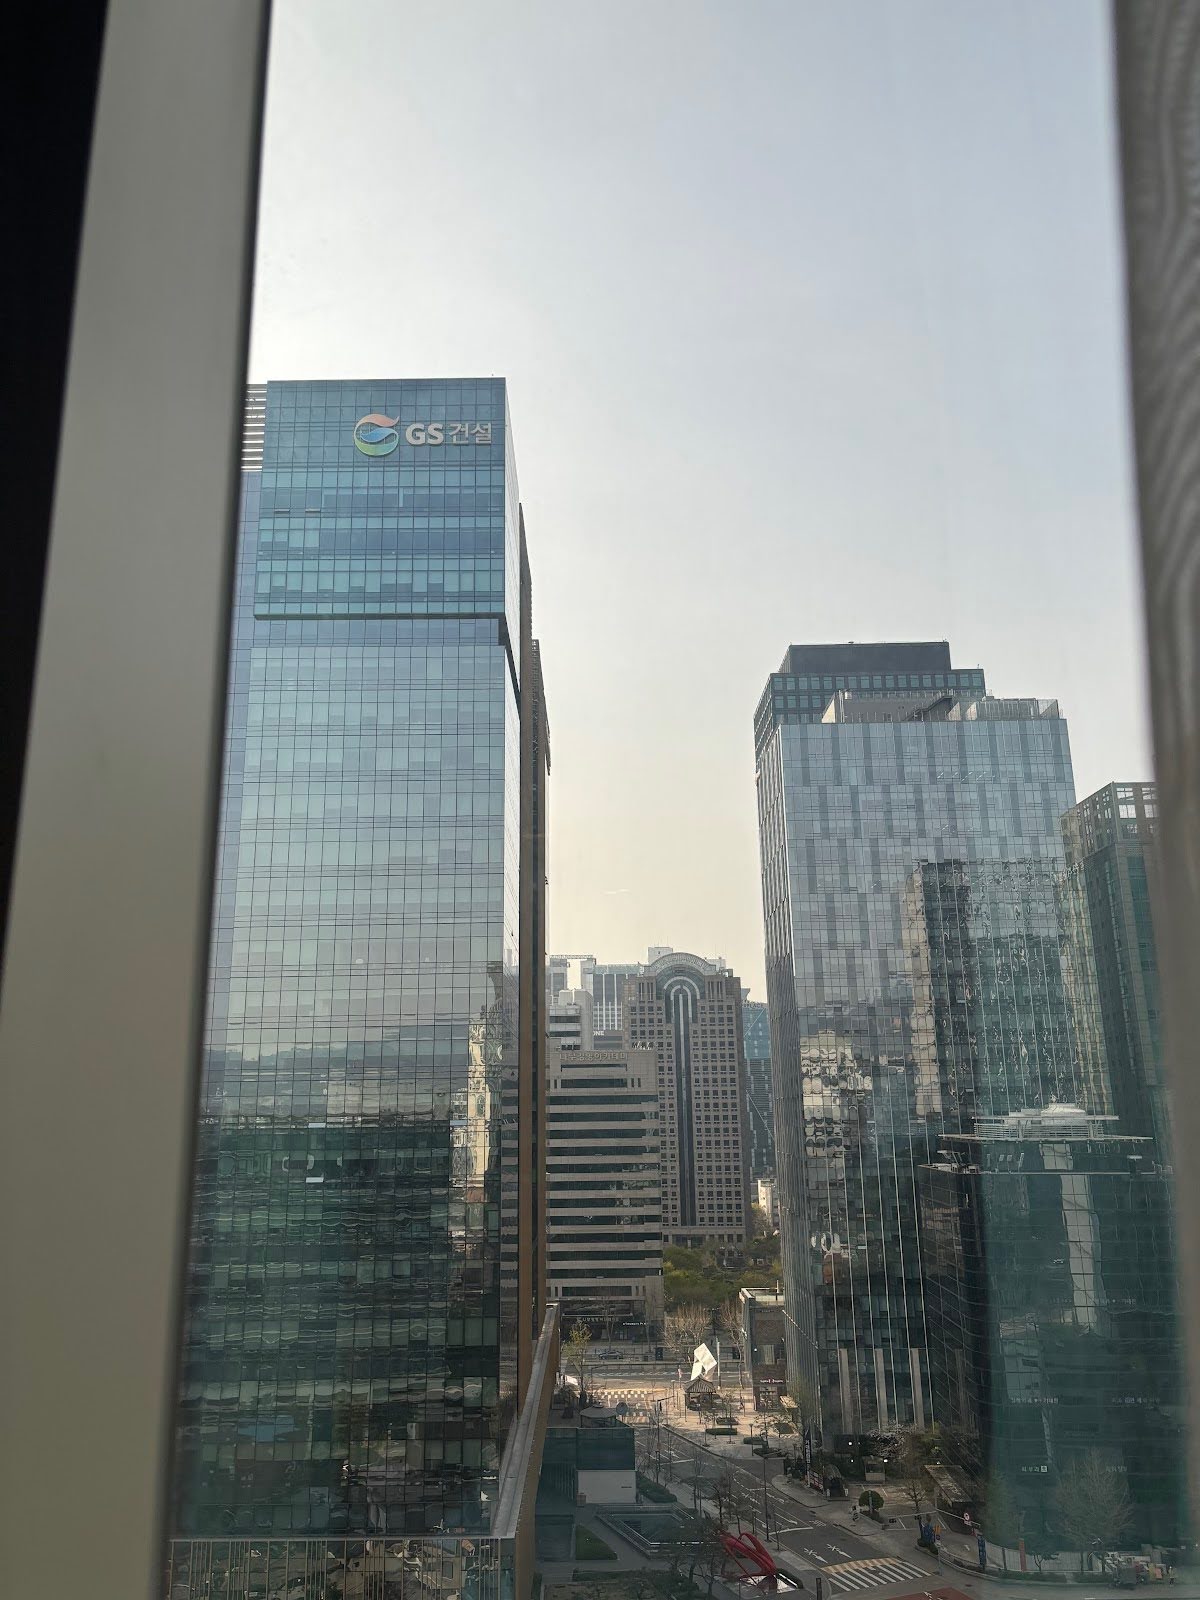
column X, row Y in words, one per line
column 743, row 1505
column 706, row 1553
column 727, row 1320
column 697, row 1548
column 576, row 1353
column 683, row 1330
column 1093, row 1504
column 723, row 1490
column 805, row 1396
column 916, row 1448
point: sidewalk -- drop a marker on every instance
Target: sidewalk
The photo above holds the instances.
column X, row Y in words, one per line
column 960, row 1550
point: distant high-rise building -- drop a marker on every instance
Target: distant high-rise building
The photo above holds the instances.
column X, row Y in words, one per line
column 767, row 1200
column 890, row 787
column 760, row 1116
column 689, row 1012
column 568, row 972
column 608, row 994
column 605, row 981
column 811, row 674
column 364, row 1359
column 1051, row 1305
column 569, row 1020
column 1111, row 955
column 604, row 1190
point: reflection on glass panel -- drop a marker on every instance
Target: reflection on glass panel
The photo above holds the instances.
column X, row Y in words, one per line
column 977, row 1220
column 350, row 1356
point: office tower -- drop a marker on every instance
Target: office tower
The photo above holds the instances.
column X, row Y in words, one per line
column 568, row 972
column 569, row 1020
column 606, row 981
column 894, row 767
column 365, row 1355
column 1050, row 1298
column 608, row 994
column 604, row 1191
column 990, row 1023
column 810, row 675
column 760, row 1117
column 1111, row 959
column 689, row 1012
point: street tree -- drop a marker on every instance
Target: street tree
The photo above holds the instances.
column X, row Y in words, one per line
column 709, row 1549
column 915, row 1449
column 723, row 1490
column 728, row 1321
column 577, row 1352
column 1093, row 1505
column 683, row 1329
column 805, row 1396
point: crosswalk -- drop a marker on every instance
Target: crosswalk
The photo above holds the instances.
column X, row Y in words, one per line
column 638, row 1400
column 870, row 1574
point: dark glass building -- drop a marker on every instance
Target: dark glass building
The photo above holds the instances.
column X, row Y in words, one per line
column 1050, row 1298
column 811, row 674
column 760, row 1118
column 991, row 1026
column 364, row 1347
column 1111, row 956
column 895, row 796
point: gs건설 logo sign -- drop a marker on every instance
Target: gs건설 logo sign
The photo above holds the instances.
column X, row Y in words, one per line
column 376, row 435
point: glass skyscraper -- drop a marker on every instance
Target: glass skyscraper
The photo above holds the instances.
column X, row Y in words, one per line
column 760, row 1117
column 1053, row 1324
column 364, row 1350
column 909, row 831
column 1112, row 954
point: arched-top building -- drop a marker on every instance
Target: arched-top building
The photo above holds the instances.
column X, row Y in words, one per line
column 689, row 1012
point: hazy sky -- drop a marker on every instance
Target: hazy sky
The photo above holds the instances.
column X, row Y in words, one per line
column 811, row 316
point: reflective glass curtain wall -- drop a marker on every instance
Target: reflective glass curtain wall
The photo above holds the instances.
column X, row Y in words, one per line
column 760, row 1117
column 350, row 1363
column 1053, row 1332
column 1109, row 890
column 850, row 808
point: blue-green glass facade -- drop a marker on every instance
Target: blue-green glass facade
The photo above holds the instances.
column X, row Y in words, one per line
column 811, row 674
column 1109, row 888
column 1053, row 1323
column 350, row 1359
column 760, row 1117
column 893, row 785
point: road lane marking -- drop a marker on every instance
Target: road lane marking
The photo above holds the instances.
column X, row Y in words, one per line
column 870, row 1573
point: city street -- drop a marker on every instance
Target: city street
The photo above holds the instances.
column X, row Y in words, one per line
column 809, row 1533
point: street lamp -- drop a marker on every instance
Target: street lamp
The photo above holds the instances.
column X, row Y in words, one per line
column 766, row 1500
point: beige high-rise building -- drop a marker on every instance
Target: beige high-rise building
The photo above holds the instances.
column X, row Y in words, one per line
column 603, row 1190
column 689, row 1012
